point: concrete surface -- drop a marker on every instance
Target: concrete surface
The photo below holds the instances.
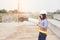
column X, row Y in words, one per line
column 22, row 31
column 54, row 25
column 56, row 16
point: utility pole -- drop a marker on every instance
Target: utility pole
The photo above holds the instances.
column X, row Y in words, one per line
column 18, row 5
column 18, row 10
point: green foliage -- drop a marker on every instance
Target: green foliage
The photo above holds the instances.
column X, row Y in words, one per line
column 3, row 11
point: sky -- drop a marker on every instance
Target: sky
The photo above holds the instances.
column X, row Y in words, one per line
column 31, row 5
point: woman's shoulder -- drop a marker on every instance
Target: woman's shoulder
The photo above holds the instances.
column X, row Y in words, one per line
column 45, row 20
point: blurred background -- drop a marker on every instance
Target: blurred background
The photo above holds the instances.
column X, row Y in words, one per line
column 14, row 16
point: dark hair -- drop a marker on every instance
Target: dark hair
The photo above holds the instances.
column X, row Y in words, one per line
column 44, row 16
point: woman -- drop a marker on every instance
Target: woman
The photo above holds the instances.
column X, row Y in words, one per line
column 42, row 26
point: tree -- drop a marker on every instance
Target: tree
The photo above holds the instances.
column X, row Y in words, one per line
column 3, row 11
column 58, row 11
column 15, row 11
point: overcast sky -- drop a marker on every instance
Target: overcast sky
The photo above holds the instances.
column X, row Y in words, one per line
column 31, row 5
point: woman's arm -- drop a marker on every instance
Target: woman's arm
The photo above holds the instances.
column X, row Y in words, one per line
column 35, row 21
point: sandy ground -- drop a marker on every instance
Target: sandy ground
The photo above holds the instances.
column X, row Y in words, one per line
column 27, row 31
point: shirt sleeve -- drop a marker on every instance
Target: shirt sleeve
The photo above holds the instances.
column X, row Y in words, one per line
column 35, row 21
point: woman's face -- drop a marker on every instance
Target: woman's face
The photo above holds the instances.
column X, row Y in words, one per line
column 41, row 16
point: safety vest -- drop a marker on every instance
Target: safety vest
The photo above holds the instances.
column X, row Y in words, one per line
column 41, row 29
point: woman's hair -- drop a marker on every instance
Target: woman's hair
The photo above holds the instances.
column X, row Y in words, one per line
column 43, row 16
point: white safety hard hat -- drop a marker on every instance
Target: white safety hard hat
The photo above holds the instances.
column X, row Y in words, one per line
column 43, row 12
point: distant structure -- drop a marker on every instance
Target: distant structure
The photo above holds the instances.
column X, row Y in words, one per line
column 10, row 12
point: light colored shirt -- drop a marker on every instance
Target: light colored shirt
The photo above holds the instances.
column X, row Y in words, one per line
column 44, row 24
